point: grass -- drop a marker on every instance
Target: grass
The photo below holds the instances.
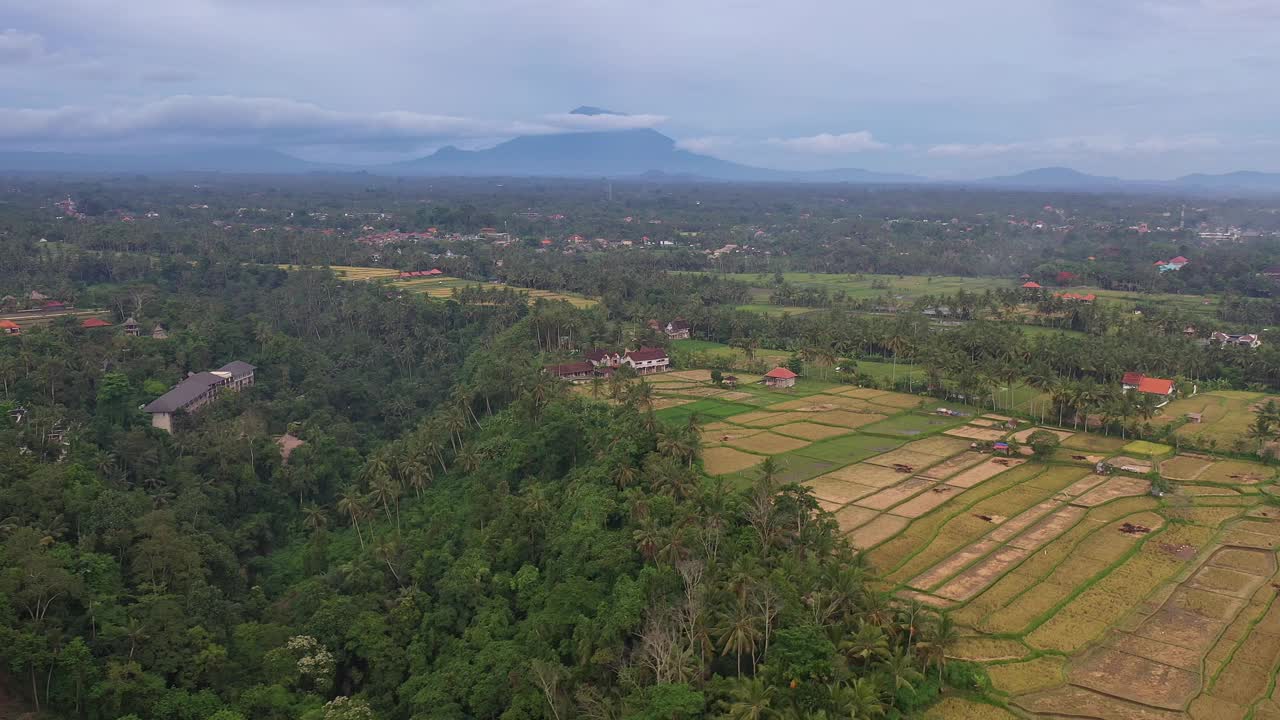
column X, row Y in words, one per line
column 1143, row 448
column 701, row 408
column 912, row 425
column 443, row 286
column 849, row 449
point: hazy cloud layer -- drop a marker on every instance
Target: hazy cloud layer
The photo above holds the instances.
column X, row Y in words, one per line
column 1149, row 87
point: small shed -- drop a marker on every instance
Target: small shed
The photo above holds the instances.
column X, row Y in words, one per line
column 729, row 381
column 1196, row 418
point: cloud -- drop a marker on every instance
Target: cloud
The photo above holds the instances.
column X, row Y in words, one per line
column 1096, row 145
column 276, row 119
column 828, row 144
column 599, row 123
column 706, row 144
column 18, row 48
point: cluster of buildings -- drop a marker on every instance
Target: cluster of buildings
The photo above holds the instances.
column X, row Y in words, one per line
column 677, row 329
column 1172, row 265
column 383, row 239
column 433, row 272
column 198, row 390
column 1249, row 340
column 131, row 327
column 602, row 363
column 1076, row 297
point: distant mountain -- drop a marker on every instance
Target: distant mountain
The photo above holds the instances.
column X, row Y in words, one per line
column 222, row 159
column 1244, row 181
column 1057, row 178
column 611, row 154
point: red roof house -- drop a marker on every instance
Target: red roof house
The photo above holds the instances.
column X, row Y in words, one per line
column 780, row 377
column 647, row 360
column 8, row 327
column 1160, row 387
column 1155, row 386
column 95, row 323
column 1031, row 285
column 1179, row 261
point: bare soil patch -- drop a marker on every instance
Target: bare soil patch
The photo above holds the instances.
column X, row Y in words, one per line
column 983, row 472
column 1134, row 678
column 1129, row 464
column 975, row 433
column 891, row 496
column 951, row 466
column 875, row 476
column 1116, row 487
column 1022, row 435
column 954, row 564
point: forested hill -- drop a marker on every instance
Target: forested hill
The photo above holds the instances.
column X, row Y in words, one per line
column 456, row 537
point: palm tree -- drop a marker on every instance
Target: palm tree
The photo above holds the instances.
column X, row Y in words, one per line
column 384, row 492
column 861, row 699
column 739, row 634
column 942, row 634
column 868, row 643
column 1261, row 431
column 352, row 505
column 900, row 667
column 315, row 518
column 752, row 699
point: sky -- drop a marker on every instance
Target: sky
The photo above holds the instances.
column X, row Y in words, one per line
column 954, row 89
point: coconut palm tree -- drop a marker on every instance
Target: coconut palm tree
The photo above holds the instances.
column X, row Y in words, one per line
column 739, row 633
column 315, row 518
column 751, row 699
column 352, row 505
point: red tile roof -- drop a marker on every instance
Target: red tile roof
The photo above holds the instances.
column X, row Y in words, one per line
column 1031, row 285
column 1155, row 386
column 1131, row 378
column 94, row 323
column 780, row 373
column 647, row 354
column 570, row 369
column 1180, row 260
column 8, row 325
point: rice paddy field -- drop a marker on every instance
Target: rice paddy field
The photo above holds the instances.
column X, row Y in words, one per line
column 906, row 289
column 1083, row 595
column 442, row 286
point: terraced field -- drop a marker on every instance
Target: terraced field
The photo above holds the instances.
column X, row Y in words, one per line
column 443, row 286
column 1083, row 594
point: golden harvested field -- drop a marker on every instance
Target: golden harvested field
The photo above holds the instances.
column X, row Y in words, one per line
column 767, row 443
column 1081, row 594
column 723, row 460
column 809, row 431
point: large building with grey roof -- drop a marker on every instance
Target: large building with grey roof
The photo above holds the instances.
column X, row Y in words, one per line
column 198, row 390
